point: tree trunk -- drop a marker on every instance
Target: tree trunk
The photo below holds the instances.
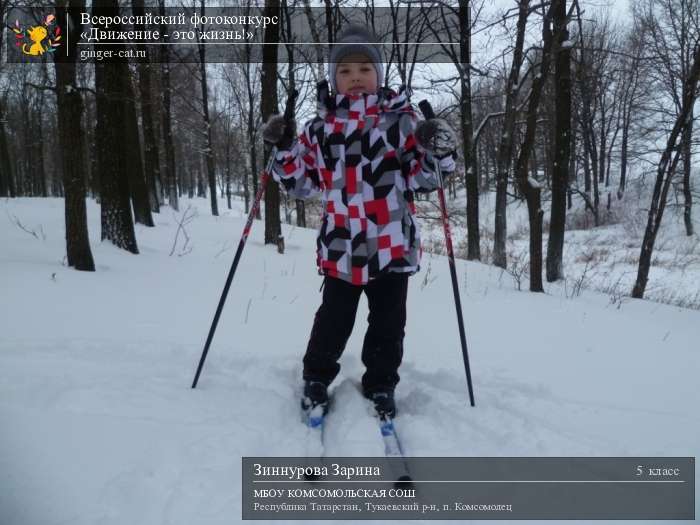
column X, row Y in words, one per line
column 7, row 186
column 39, row 168
column 299, row 205
column 71, row 139
column 253, row 154
column 468, row 150
column 528, row 187
column 664, row 176
column 134, row 166
column 6, row 174
column 505, row 148
column 573, row 166
column 596, row 196
column 586, row 167
column 623, row 160
column 315, row 35
column 228, row 186
column 170, row 173
column 587, row 124
column 687, row 168
column 150, row 145
column 561, row 144
column 117, row 224
column 208, row 151
column 268, row 106
column 329, row 22
column 227, row 138
column 201, row 192
column 23, row 180
column 603, row 147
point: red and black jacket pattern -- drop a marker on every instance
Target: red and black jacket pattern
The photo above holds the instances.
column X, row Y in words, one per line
column 361, row 154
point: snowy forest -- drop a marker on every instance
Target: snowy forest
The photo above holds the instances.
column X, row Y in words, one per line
column 571, row 117
column 125, row 189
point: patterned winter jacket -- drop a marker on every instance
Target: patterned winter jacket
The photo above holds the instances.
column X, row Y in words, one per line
column 360, row 152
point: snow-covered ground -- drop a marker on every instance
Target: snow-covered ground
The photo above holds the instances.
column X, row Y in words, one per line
column 100, row 425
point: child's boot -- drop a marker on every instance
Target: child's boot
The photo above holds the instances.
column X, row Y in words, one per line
column 384, row 403
column 315, row 394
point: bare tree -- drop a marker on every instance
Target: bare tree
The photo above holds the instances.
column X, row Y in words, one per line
column 505, row 147
column 289, row 38
column 407, row 25
column 530, row 187
column 170, row 174
column 226, row 125
column 673, row 30
column 631, row 74
column 665, row 172
column 117, row 223
column 464, row 67
column 150, row 144
column 208, row 151
column 71, row 139
column 597, row 107
column 316, row 37
column 268, row 106
column 241, row 84
column 561, row 145
column 7, row 185
column 134, row 163
column 250, row 72
column 457, row 20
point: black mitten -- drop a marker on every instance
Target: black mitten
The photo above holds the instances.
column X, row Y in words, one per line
column 279, row 132
column 436, row 136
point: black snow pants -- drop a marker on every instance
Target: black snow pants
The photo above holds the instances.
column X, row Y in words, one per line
column 382, row 350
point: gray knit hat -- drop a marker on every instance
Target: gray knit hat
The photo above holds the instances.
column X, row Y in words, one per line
column 354, row 39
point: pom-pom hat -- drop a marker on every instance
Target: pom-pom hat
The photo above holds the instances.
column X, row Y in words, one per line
column 353, row 40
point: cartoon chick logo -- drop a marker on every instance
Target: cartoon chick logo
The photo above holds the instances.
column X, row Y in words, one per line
column 37, row 35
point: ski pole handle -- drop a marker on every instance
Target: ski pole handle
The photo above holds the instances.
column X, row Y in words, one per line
column 426, row 109
column 289, row 107
column 428, row 113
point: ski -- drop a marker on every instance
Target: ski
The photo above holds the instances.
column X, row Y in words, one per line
column 314, row 419
column 393, row 450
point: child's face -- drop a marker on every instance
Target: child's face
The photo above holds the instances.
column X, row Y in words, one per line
column 356, row 74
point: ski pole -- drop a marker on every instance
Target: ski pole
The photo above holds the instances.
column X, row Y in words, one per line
column 253, row 211
column 428, row 113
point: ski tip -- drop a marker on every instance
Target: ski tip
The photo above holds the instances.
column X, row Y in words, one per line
column 404, row 482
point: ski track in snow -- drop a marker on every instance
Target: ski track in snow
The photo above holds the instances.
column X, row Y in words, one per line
column 100, row 425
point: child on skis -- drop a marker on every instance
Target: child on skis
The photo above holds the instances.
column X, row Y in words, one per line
column 367, row 153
